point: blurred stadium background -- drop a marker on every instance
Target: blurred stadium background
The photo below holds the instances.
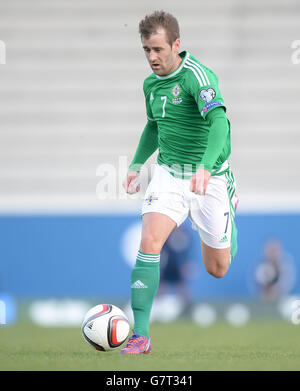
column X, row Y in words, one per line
column 72, row 110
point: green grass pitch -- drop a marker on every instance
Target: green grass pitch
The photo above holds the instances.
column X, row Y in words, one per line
column 180, row 346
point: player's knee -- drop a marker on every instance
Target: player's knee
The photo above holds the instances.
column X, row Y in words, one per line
column 150, row 243
column 217, row 269
column 219, row 272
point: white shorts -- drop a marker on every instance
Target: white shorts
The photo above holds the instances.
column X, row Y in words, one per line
column 212, row 214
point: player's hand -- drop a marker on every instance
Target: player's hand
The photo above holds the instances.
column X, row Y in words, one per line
column 131, row 183
column 199, row 181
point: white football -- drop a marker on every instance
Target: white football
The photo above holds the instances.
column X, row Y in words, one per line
column 105, row 327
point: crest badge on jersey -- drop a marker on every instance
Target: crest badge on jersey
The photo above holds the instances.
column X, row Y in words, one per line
column 175, row 92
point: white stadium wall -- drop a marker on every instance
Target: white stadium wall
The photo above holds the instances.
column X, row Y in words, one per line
column 72, row 105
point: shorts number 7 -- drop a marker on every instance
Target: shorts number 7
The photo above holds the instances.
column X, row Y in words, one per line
column 226, row 214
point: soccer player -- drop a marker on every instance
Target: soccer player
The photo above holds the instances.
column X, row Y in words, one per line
column 187, row 122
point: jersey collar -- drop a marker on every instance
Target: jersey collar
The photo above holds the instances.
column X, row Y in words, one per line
column 185, row 55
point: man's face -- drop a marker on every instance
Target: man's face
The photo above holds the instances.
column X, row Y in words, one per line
column 162, row 57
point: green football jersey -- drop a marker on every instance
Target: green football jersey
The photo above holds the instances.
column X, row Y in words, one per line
column 179, row 103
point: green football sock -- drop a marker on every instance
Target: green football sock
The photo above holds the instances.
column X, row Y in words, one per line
column 144, row 285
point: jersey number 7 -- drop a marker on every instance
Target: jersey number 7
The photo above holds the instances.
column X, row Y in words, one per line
column 164, row 98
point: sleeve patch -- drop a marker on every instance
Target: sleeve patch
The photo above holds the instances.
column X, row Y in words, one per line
column 207, row 95
column 209, row 106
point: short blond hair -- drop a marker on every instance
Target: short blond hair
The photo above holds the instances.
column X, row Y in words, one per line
column 160, row 19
